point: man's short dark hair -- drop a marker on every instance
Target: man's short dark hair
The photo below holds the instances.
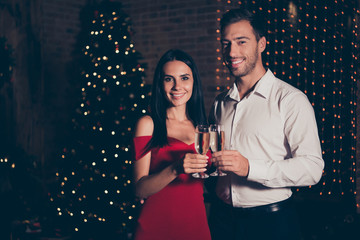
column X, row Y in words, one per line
column 240, row 14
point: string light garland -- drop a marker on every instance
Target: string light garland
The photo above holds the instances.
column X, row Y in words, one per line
column 308, row 46
column 95, row 182
column 354, row 76
column 221, row 72
column 4, row 162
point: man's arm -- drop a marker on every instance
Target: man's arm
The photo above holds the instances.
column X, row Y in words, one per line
column 305, row 165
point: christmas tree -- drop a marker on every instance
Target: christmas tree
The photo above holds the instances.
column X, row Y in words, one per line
column 95, row 192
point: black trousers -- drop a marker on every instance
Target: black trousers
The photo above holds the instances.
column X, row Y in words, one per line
column 272, row 222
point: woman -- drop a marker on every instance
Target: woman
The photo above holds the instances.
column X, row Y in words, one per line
column 165, row 154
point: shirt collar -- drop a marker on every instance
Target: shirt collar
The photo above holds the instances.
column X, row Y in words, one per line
column 233, row 93
column 262, row 88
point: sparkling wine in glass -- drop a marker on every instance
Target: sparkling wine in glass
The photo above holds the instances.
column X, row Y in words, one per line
column 217, row 141
column 201, row 145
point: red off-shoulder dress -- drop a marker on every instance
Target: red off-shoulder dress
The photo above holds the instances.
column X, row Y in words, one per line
column 177, row 212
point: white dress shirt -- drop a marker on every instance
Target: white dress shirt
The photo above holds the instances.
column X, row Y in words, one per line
column 274, row 127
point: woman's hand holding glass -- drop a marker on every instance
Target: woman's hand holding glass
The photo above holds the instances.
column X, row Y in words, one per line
column 201, row 145
column 193, row 163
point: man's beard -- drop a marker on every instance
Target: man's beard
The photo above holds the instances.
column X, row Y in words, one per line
column 248, row 68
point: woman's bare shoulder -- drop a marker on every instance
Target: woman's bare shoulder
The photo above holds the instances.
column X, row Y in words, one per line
column 144, row 126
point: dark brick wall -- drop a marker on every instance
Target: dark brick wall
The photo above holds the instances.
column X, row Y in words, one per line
column 186, row 24
column 61, row 25
column 40, row 100
column 21, row 25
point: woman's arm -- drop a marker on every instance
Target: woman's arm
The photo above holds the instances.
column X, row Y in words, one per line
column 145, row 184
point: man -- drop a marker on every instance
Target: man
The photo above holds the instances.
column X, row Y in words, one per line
column 271, row 139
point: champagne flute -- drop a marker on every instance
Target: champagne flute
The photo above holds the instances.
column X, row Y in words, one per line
column 201, row 145
column 217, row 141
